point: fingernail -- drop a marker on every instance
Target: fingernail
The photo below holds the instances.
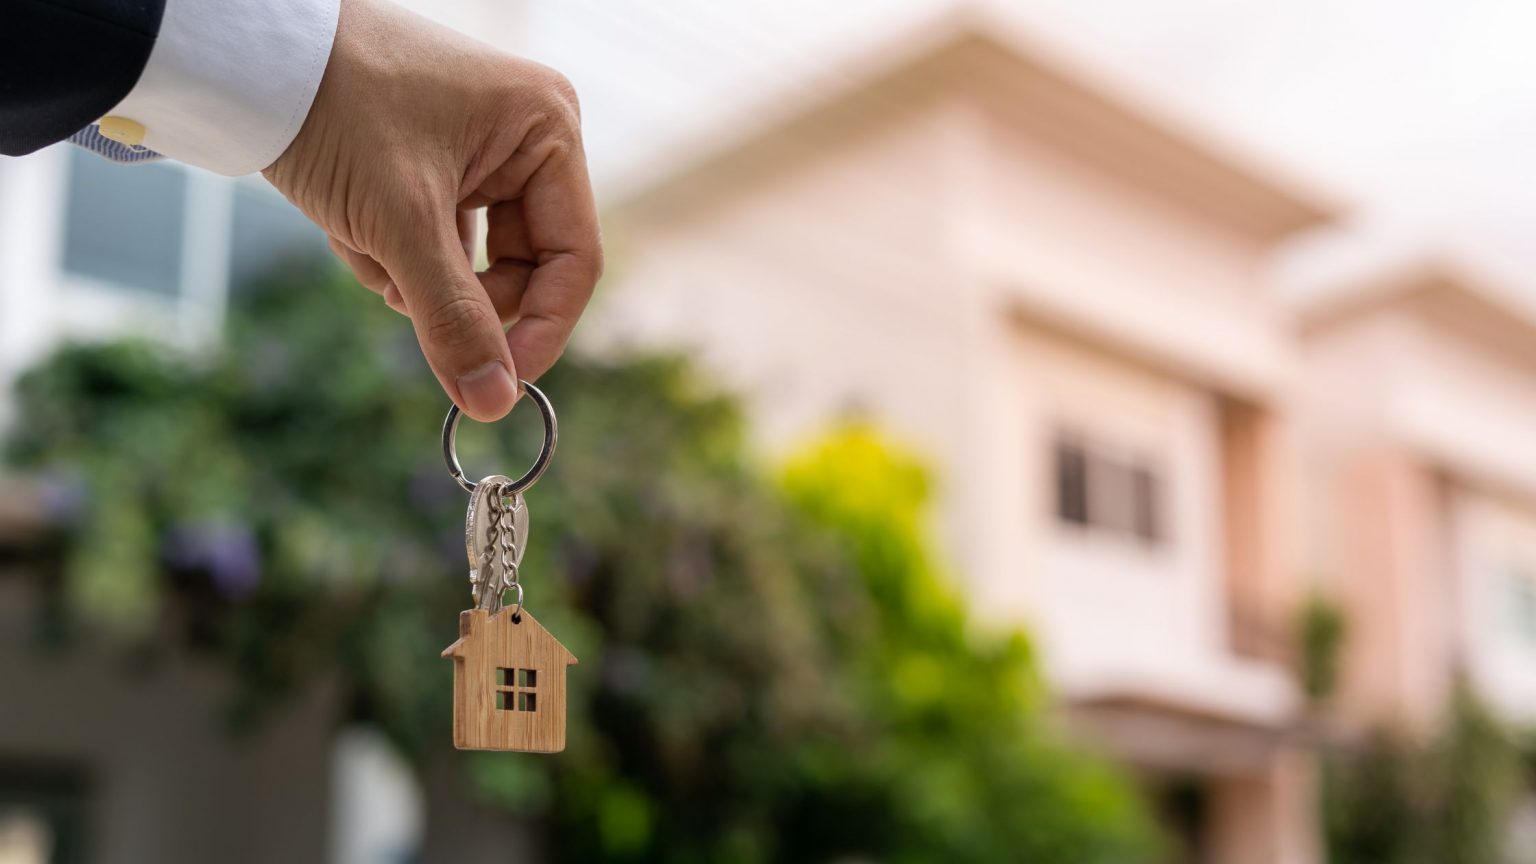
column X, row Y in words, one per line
column 488, row 392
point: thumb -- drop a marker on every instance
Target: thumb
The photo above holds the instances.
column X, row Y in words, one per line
column 459, row 330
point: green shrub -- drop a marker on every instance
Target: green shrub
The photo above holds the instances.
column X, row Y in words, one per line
column 1323, row 630
column 1398, row 800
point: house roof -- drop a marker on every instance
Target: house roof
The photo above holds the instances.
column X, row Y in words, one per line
column 981, row 51
column 499, row 620
column 1449, row 291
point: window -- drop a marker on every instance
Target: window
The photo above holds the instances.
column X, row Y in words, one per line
column 1144, row 504
column 515, row 689
column 1522, row 604
column 45, row 812
column 268, row 231
column 124, row 224
column 1101, row 491
column 164, row 232
column 1071, row 483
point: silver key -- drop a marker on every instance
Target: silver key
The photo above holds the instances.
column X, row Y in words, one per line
column 494, row 558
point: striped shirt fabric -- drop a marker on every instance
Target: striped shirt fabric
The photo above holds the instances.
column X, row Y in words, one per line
column 91, row 139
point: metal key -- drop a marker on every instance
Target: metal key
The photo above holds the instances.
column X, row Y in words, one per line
column 494, row 557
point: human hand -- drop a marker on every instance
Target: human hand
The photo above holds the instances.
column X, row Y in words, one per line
column 413, row 128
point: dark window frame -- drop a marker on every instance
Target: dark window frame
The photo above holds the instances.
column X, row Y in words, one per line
column 1100, row 491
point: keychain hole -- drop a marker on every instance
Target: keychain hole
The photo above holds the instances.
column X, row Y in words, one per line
column 517, row 617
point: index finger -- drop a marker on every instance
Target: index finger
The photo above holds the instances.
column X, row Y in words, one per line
column 567, row 246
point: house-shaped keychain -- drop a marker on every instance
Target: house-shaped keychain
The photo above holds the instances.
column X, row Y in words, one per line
column 508, row 683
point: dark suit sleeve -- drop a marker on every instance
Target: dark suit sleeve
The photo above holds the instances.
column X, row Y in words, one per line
column 65, row 63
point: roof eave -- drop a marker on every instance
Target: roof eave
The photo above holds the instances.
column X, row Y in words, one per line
column 991, row 55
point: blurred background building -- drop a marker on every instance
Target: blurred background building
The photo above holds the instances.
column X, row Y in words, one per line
column 1061, row 298
column 1153, row 451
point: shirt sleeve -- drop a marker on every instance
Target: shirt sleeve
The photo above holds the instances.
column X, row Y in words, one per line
column 64, row 63
column 229, row 82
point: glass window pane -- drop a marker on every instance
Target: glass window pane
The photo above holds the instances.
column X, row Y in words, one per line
column 1109, row 494
column 123, row 223
column 1523, row 604
column 1071, row 483
column 269, row 232
column 1145, row 502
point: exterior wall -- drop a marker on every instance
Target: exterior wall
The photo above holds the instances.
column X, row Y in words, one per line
column 1396, row 589
column 30, row 208
column 1376, row 514
column 167, row 785
column 1423, row 496
column 1495, row 574
column 819, row 292
column 1068, row 245
column 1268, row 817
column 1117, row 615
column 1259, row 506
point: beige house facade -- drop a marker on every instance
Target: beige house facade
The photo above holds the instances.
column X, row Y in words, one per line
column 1060, row 300
column 1421, row 384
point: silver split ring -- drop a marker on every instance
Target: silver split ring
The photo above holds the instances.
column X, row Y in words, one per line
column 547, row 450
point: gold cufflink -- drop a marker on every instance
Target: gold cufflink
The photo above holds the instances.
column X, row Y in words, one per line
column 122, row 130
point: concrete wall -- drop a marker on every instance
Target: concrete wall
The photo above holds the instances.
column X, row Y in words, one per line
column 1494, row 570
column 1426, row 503
column 165, row 783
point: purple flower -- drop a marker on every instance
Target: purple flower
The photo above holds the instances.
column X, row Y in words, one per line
column 225, row 550
column 62, row 495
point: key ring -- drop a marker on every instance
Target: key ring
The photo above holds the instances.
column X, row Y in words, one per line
column 551, row 435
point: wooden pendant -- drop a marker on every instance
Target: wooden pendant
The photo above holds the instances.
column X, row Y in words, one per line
column 508, row 683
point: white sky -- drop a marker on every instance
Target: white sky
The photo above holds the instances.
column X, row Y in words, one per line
column 1423, row 112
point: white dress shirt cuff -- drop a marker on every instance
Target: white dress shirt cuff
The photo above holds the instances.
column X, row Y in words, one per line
column 229, row 82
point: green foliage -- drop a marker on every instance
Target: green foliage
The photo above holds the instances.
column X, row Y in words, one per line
column 1323, row 630
column 953, row 717
column 769, row 671
column 1376, row 801
column 1480, row 763
column 1395, row 800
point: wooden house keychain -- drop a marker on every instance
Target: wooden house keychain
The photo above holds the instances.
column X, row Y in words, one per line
column 508, row 671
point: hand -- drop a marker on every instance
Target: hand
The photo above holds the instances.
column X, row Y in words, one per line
column 413, row 128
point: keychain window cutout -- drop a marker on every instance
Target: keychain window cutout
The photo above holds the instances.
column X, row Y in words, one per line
column 516, row 689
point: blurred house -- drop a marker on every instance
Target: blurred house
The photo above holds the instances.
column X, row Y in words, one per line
column 1421, row 384
column 1059, row 297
